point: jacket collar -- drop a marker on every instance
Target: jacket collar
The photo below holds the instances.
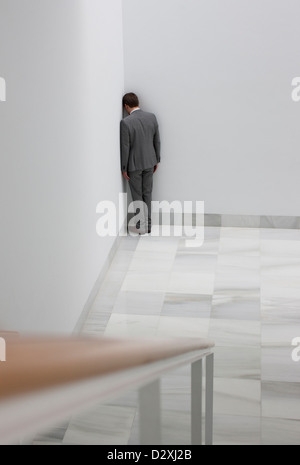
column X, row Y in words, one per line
column 135, row 111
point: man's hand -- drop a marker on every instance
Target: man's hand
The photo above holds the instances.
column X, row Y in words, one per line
column 155, row 168
column 125, row 175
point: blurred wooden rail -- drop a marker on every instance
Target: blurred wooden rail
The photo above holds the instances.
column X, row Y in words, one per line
column 45, row 380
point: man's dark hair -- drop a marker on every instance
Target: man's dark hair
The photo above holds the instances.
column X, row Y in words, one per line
column 131, row 100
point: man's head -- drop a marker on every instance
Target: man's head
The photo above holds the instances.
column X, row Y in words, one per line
column 130, row 102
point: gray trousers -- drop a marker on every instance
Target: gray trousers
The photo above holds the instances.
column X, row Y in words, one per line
column 141, row 186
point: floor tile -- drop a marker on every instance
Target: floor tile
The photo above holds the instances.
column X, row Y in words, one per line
column 278, row 432
column 139, row 303
column 191, row 283
column 279, row 234
column 123, row 325
column 187, row 305
column 241, row 288
column 281, row 400
column 104, row 425
column 237, row 397
column 145, row 282
column 277, row 365
column 283, row 310
column 235, row 333
column 194, row 263
column 182, row 327
column 279, row 334
column 238, row 363
column 236, row 305
column 237, row 430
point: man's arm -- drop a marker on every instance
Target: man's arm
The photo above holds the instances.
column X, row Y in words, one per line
column 156, row 142
column 125, row 146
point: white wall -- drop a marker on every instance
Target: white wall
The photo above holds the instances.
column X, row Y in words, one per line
column 59, row 148
column 218, row 75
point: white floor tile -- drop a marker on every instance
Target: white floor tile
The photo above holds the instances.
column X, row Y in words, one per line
column 241, row 288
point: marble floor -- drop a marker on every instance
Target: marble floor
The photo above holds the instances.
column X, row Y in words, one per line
column 241, row 289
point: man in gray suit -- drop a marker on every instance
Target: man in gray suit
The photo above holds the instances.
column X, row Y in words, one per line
column 140, row 154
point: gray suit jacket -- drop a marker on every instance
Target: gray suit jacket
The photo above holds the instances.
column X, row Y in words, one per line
column 140, row 141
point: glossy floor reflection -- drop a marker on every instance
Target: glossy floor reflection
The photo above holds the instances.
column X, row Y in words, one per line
column 242, row 289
